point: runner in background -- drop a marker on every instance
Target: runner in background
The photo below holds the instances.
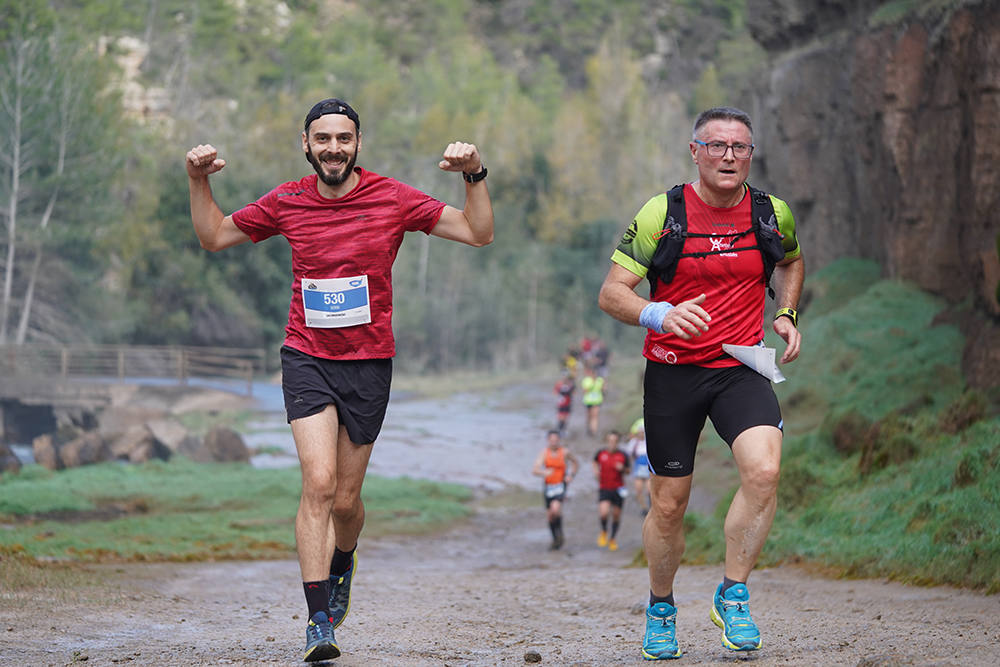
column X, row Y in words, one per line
column 564, row 390
column 593, row 397
column 610, row 467
column 640, row 464
column 551, row 464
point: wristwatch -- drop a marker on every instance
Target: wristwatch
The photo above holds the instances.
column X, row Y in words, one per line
column 790, row 313
column 475, row 178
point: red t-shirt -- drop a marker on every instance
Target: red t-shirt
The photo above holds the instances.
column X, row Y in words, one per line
column 733, row 284
column 609, row 477
column 354, row 235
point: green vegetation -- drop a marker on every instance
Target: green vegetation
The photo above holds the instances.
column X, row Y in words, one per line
column 577, row 127
column 890, row 466
column 188, row 511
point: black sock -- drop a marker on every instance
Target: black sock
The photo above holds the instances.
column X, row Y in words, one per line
column 342, row 561
column 728, row 583
column 554, row 528
column 317, row 595
column 653, row 599
column 614, row 528
column 604, row 524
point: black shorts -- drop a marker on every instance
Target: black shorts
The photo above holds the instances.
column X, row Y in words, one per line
column 678, row 398
column 613, row 496
column 359, row 388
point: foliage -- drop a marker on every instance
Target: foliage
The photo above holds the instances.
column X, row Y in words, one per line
column 187, row 511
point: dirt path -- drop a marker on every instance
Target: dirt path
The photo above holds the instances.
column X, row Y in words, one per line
column 488, row 593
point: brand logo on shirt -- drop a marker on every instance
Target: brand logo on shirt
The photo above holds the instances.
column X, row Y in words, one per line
column 664, row 354
column 630, row 233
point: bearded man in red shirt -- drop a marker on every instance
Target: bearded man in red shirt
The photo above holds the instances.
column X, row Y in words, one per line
column 344, row 225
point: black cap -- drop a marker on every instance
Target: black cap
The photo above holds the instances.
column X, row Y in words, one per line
column 332, row 105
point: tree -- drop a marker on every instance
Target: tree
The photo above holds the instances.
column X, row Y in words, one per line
column 53, row 132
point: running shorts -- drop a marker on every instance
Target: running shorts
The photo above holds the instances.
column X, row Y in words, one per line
column 359, row 388
column 554, row 492
column 678, row 398
column 614, row 496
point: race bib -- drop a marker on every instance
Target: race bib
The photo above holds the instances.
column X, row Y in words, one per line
column 336, row 302
column 553, row 490
column 623, row 492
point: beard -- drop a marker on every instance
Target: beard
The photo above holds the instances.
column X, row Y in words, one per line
column 336, row 178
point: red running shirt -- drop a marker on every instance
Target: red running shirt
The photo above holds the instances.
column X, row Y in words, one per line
column 733, row 283
column 357, row 234
column 609, row 477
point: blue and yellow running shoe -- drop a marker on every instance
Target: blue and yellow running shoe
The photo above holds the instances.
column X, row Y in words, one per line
column 320, row 643
column 660, row 642
column 340, row 594
column 731, row 612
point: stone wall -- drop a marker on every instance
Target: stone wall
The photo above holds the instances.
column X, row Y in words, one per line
column 885, row 140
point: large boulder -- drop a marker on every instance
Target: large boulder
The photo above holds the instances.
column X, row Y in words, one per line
column 86, row 449
column 219, row 444
column 138, row 445
column 46, row 452
column 8, row 460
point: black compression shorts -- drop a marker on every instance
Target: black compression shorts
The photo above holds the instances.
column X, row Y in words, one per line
column 678, row 398
column 613, row 496
column 359, row 388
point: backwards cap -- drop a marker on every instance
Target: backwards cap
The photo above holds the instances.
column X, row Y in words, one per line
column 332, row 105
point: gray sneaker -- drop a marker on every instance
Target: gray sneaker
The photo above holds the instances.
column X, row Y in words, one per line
column 340, row 593
column 320, row 643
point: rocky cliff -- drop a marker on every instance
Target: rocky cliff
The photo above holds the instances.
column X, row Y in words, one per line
column 880, row 124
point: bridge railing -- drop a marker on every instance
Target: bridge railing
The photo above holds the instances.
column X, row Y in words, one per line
column 133, row 361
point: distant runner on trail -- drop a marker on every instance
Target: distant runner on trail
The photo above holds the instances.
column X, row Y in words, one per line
column 640, row 464
column 592, row 386
column 344, row 225
column 551, row 464
column 564, row 390
column 610, row 467
column 708, row 279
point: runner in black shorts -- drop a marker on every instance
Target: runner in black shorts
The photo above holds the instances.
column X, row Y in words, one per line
column 337, row 354
column 709, row 249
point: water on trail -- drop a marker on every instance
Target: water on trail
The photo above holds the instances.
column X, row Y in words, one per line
column 484, row 439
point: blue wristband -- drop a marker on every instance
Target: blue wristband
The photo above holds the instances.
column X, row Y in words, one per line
column 652, row 315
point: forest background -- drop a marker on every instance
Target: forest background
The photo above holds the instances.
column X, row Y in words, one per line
column 102, row 99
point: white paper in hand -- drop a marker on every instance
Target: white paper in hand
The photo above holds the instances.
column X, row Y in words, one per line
column 757, row 357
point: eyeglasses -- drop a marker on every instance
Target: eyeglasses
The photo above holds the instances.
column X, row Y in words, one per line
column 718, row 149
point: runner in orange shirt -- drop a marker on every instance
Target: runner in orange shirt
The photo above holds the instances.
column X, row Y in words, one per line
column 551, row 464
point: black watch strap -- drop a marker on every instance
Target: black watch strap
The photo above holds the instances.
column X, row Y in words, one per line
column 475, row 178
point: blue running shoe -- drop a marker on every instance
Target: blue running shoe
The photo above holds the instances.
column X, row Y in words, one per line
column 660, row 642
column 340, row 594
column 320, row 644
column 731, row 612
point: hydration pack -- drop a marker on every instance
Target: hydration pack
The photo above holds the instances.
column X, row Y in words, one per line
column 670, row 243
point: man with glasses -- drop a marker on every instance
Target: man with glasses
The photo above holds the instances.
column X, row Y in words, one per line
column 711, row 294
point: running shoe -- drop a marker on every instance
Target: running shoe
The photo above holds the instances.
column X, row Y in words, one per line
column 340, row 593
column 612, row 545
column 602, row 539
column 731, row 612
column 660, row 642
column 320, row 643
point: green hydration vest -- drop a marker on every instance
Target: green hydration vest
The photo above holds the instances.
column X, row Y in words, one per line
column 670, row 244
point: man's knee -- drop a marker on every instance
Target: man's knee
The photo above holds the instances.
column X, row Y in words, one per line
column 319, row 486
column 346, row 506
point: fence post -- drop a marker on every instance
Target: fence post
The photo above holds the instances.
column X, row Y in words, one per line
column 64, row 361
column 121, row 364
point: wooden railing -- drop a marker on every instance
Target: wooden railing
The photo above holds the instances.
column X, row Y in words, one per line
column 133, row 361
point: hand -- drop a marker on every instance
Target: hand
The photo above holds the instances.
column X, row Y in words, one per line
column 460, row 156
column 793, row 339
column 687, row 318
column 203, row 160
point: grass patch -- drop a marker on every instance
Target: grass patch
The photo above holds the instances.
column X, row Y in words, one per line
column 182, row 511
